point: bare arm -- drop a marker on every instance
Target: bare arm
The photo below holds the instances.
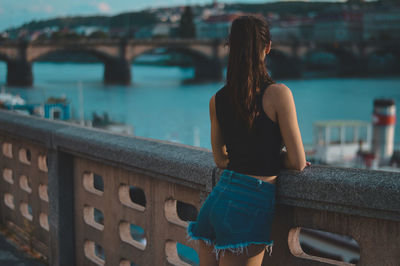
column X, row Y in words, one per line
column 217, row 142
column 287, row 118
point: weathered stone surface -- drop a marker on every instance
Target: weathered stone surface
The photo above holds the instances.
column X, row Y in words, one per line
column 159, row 157
column 354, row 191
column 30, row 127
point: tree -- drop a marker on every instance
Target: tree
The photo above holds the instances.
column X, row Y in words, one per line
column 98, row 35
column 186, row 26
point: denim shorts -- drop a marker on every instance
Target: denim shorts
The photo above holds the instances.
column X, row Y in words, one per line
column 237, row 213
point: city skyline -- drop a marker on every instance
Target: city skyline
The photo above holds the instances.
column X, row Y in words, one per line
column 16, row 13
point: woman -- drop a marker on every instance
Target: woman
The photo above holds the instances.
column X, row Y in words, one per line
column 251, row 118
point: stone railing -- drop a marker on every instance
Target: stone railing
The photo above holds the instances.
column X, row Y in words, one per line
column 83, row 196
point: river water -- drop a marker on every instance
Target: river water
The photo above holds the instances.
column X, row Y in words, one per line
column 159, row 105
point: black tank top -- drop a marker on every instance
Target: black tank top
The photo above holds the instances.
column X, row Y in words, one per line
column 252, row 153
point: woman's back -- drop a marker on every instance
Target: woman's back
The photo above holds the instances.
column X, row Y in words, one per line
column 254, row 152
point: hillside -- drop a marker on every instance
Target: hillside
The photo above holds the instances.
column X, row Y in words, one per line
column 147, row 17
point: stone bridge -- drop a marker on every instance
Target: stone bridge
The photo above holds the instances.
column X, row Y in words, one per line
column 209, row 56
column 81, row 196
column 117, row 55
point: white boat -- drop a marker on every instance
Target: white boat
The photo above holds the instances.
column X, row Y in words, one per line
column 338, row 142
column 9, row 99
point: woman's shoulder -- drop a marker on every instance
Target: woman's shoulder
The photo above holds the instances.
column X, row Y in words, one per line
column 277, row 92
column 277, row 88
column 276, row 98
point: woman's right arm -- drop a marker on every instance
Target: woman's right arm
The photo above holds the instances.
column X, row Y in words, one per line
column 295, row 157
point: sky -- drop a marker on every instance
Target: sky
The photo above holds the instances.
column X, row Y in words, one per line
column 16, row 12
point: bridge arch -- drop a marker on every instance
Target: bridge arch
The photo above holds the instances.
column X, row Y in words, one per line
column 102, row 56
column 116, row 55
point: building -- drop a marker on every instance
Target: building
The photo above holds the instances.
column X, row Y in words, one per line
column 291, row 29
column 215, row 26
column 338, row 26
column 161, row 30
column 382, row 25
column 144, row 33
column 88, row 30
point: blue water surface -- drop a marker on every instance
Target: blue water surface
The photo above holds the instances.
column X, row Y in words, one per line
column 159, row 105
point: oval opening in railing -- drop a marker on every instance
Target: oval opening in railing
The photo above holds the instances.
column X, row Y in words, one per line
column 179, row 212
column 98, row 182
column 99, row 252
column 98, row 216
column 94, row 252
column 24, row 156
column 324, row 246
column 179, row 254
column 187, row 254
column 93, row 217
column 186, row 212
column 137, row 196
column 26, row 210
column 93, row 183
column 132, row 196
column 133, row 234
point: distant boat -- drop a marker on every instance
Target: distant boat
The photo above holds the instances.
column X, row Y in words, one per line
column 347, row 143
column 337, row 142
column 104, row 122
column 9, row 99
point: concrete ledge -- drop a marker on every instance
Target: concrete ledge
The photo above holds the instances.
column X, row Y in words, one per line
column 178, row 161
column 351, row 191
column 160, row 157
column 29, row 127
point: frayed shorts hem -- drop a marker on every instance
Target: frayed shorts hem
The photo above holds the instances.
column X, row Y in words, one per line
column 191, row 236
column 237, row 248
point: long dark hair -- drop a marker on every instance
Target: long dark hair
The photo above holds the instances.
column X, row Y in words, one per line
column 247, row 72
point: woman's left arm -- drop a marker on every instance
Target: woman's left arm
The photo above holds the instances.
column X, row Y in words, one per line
column 217, row 141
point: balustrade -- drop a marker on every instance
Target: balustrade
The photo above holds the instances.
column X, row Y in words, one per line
column 87, row 197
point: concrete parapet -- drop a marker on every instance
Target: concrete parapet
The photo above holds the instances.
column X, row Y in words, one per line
column 115, row 199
